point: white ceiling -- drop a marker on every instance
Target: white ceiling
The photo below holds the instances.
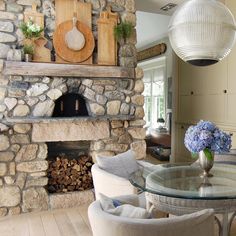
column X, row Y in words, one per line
column 155, row 5
column 152, row 22
column 150, row 28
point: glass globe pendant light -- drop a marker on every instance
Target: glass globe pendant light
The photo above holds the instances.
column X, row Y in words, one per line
column 202, row 32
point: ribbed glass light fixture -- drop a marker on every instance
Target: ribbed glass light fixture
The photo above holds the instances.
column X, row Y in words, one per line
column 202, row 32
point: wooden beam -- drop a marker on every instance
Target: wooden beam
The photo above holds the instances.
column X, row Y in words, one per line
column 154, row 51
column 67, row 70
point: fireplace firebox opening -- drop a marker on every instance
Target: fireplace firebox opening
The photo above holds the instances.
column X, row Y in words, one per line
column 70, row 105
column 69, row 167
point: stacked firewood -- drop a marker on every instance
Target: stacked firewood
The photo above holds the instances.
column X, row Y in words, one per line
column 65, row 175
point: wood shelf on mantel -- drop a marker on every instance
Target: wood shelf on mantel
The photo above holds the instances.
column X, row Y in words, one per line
column 67, row 70
column 33, row 120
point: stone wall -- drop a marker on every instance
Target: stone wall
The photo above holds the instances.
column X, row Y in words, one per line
column 23, row 100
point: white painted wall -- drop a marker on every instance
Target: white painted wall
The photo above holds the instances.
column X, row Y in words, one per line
column 150, row 28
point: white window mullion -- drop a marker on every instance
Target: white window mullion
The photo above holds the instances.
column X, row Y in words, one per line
column 152, row 100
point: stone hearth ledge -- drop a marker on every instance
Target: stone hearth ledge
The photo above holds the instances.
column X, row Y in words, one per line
column 32, row 120
column 70, row 131
column 71, row 199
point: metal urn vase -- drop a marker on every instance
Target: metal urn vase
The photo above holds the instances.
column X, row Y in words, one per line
column 206, row 163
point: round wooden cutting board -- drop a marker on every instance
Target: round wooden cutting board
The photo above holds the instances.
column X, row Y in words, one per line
column 70, row 55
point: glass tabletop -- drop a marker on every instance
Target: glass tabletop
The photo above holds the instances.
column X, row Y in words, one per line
column 184, row 181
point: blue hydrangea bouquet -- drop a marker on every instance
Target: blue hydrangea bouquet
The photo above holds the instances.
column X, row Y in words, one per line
column 207, row 137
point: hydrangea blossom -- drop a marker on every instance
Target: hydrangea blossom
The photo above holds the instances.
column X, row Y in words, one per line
column 206, row 135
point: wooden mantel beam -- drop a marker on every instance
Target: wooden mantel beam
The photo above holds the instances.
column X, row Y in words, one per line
column 66, row 70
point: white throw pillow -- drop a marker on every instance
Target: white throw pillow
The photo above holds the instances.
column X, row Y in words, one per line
column 122, row 165
column 124, row 210
column 130, row 211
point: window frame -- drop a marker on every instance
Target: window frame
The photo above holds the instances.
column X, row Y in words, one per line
column 150, row 66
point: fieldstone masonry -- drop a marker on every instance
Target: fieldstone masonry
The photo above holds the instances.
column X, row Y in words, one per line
column 115, row 107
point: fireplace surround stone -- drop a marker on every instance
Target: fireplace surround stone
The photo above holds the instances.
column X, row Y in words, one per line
column 113, row 125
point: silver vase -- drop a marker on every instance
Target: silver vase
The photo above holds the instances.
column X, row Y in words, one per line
column 206, row 164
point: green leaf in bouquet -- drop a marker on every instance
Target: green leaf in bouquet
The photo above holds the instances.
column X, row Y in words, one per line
column 208, row 154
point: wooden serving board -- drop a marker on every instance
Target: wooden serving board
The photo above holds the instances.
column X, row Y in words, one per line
column 35, row 16
column 64, row 12
column 41, row 53
column 70, row 55
column 107, row 45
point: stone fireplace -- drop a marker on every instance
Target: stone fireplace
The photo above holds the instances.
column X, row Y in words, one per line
column 46, row 104
column 69, row 162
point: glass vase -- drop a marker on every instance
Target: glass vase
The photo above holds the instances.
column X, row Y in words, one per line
column 206, row 164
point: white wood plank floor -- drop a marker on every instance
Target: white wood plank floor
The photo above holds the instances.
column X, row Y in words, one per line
column 64, row 222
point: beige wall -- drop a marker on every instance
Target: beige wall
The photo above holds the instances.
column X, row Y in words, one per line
column 207, row 93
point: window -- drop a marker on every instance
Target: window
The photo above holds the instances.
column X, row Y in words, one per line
column 154, row 95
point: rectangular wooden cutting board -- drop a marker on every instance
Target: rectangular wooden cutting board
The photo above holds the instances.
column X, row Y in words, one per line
column 107, row 45
column 65, row 11
column 36, row 17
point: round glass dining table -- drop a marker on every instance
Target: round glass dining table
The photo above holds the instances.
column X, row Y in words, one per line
column 179, row 189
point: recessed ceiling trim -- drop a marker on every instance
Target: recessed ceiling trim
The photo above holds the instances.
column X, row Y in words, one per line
column 168, row 6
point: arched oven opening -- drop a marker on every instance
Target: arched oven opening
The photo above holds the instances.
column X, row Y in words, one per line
column 70, row 105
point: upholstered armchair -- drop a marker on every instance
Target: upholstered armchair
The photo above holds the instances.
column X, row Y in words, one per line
column 106, row 224
column 112, row 185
